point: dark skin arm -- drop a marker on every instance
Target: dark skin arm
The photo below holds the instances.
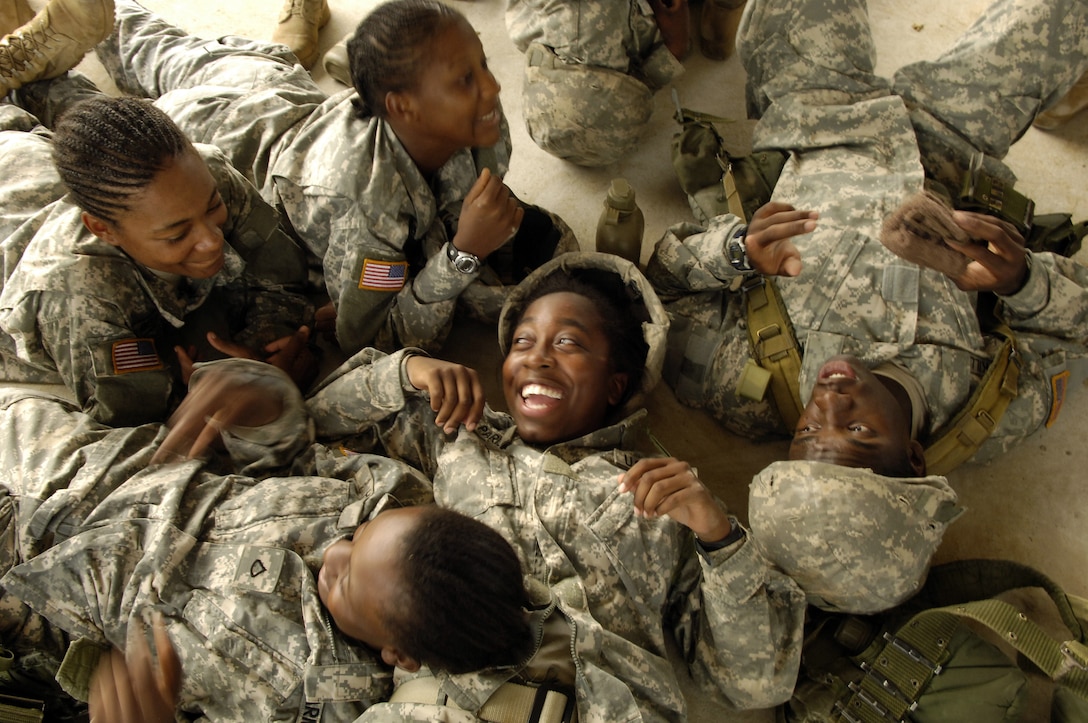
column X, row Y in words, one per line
column 130, row 687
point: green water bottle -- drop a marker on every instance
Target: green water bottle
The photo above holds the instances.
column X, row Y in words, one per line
column 620, row 228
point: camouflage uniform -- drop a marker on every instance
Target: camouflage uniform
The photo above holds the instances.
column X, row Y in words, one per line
column 622, row 582
column 860, row 145
column 590, row 72
column 98, row 538
column 348, row 188
column 79, row 311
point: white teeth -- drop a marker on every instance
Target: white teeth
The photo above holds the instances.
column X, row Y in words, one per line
column 540, row 390
column 838, row 375
column 489, row 117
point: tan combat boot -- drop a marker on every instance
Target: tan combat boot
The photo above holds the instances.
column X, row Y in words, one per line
column 718, row 28
column 1071, row 103
column 300, row 21
column 53, row 41
column 13, row 15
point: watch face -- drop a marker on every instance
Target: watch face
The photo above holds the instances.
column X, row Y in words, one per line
column 466, row 263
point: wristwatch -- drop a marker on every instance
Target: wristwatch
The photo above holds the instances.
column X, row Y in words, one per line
column 736, row 252
column 463, row 261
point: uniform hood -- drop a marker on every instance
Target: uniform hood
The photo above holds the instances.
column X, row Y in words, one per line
column 655, row 320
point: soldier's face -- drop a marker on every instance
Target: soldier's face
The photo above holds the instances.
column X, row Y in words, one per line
column 558, row 377
column 175, row 224
column 455, row 104
column 360, row 578
column 852, row 419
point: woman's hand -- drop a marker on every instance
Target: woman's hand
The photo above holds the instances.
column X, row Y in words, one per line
column 457, row 396
column 999, row 264
column 490, row 216
column 218, row 400
column 768, row 243
column 129, row 687
column 669, row 486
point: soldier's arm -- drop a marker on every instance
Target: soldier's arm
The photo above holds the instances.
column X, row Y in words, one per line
column 740, row 623
column 117, row 375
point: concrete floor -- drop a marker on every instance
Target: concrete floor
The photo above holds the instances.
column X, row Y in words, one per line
column 1023, row 506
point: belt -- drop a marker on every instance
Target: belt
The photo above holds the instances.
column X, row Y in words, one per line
column 510, row 703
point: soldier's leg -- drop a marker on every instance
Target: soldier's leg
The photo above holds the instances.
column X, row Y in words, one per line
column 236, row 93
column 24, row 144
column 1017, row 58
column 811, row 83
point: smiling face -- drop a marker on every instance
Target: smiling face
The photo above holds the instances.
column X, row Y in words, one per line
column 454, row 104
column 852, row 419
column 558, row 377
column 175, row 224
column 360, row 580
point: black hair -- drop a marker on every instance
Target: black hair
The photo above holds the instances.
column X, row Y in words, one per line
column 621, row 317
column 108, row 149
column 463, row 606
column 388, row 49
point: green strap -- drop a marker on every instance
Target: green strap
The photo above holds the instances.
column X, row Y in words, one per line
column 774, row 347
column 897, row 673
column 962, row 437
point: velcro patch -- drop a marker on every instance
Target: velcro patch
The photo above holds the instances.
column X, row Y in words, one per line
column 259, row 568
column 383, row 275
column 135, row 355
column 1059, row 384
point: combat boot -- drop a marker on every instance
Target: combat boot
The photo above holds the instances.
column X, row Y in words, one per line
column 13, row 15
column 1071, row 103
column 718, row 25
column 300, row 22
column 53, row 41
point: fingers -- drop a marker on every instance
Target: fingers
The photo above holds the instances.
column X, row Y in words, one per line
column 231, row 349
column 768, row 241
column 289, row 343
column 658, row 485
column 185, row 361
column 460, row 399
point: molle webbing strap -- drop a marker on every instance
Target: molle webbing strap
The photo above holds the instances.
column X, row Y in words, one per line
column 963, row 436
column 510, row 703
column 897, row 673
column 774, row 347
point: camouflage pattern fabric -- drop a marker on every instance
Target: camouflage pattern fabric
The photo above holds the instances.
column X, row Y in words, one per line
column 348, row 188
column 855, row 158
column 620, row 580
column 855, row 541
column 591, row 70
column 70, row 301
column 96, row 539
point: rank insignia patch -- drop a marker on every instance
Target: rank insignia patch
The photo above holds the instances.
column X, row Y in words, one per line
column 1058, row 386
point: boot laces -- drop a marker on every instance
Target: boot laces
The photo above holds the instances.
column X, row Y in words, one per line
column 18, row 50
column 307, row 9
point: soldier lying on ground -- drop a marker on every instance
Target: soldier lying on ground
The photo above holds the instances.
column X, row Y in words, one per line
column 129, row 251
column 289, row 578
column 860, row 147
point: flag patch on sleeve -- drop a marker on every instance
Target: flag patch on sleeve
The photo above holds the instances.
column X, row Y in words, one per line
column 383, row 275
column 135, row 355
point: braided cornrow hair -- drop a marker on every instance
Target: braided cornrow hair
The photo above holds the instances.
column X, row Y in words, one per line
column 108, row 149
column 388, row 47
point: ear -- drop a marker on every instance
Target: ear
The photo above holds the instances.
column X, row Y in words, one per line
column 617, row 385
column 100, row 228
column 917, row 455
column 400, row 106
column 394, row 657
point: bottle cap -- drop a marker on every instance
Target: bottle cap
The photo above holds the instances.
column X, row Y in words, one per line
column 620, row 195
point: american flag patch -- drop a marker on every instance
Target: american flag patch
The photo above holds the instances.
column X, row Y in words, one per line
column 383, row 275
column 135, row 355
